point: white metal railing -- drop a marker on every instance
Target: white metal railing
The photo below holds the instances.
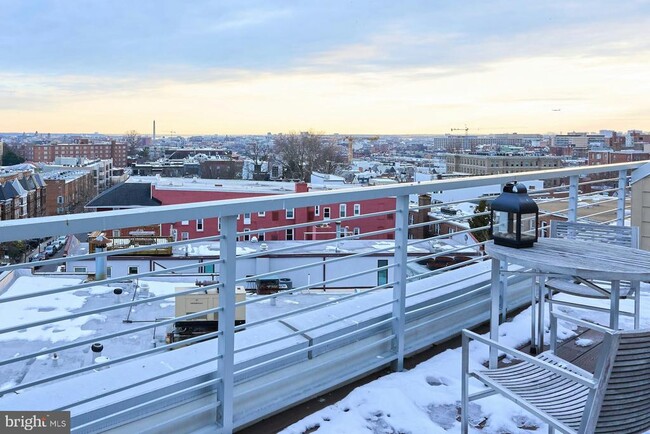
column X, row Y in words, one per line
column 393, row 309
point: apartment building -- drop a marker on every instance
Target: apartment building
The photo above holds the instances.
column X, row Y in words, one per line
column 499, row 164
column 68, row 191
column 83, row 148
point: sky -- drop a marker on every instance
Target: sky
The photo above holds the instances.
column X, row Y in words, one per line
column 349, row 67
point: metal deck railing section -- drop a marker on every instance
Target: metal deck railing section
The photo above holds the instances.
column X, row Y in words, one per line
column 392, row 323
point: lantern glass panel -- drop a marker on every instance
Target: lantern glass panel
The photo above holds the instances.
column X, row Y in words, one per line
column 504, row 223
column 529, row 227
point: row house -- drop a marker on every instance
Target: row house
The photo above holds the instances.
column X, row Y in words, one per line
column 22, row 196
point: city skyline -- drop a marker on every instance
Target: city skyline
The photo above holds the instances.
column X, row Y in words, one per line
column 252, row 67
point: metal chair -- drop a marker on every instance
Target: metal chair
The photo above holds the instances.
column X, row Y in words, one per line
column 620, row 235
column 615, row 399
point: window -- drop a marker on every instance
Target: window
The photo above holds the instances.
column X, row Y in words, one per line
column 247, row 237
column 185, row 222
column 116, row 232
column 209, row 268
column 317, row 210
column 133, row 269
column 357, row 209
column 289, row 235
column 247, row 218
column 290, row 213
column 109, row 271
column 382, row 275
column 342, row 210
column 260, row 236
column 326, row 212
column 199, row 225
column 261, row 214
column 185, row 235
column 356, row 231
column 59, row 199
column 80, row 270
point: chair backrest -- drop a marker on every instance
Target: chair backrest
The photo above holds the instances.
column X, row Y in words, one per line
column 622, row 235
column 625, row 406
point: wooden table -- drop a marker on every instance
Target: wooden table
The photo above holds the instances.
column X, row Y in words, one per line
column 589, row 260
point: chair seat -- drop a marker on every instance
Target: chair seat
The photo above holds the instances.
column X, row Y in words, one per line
column 570, row 287
column 558, row 397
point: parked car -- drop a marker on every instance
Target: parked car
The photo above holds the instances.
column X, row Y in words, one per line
column 59, row 242
column 49, row 251
column 37, row 257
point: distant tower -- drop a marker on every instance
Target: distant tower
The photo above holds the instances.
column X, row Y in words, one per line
column 153, row 139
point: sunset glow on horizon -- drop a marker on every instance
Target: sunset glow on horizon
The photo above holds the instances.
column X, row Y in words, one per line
column 335, row 67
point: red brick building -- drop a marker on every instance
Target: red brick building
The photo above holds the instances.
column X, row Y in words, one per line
column 83, row 148
column 166, row 191
column 68, row 191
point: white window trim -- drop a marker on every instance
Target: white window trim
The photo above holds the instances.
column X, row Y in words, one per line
column 317, row 210
column 290, row 213
column 327, row 213
column 261, row 214
column 185, row 223
column 343, row 210
column 199, row 225
column 357, row 209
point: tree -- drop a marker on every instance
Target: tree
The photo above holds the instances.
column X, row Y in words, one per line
column 304, row 153
column 9, row 158
column 132, row 139
column 479, row 221
column 258, row 152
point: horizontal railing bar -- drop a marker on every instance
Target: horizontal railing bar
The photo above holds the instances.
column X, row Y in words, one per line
column 320, row 263
column 321, row 325
column 311, row 307
column 88, row 222
column 327, row 342
column 108, row 363
column 93, row 339
column 138, row 383
column 104, row 282
column 101, row 309
column 317, row 222
column 211, row 382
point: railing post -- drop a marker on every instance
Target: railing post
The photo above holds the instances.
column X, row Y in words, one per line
column 573, row 198
column 226, row 341
column 620, row 203
column 399, row 288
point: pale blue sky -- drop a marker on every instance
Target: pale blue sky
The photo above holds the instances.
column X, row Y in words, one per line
column 333, row 66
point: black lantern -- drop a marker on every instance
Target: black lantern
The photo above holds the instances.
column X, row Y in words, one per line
column 514, row 217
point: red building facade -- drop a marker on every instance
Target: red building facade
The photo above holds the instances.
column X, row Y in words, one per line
column 325, row 218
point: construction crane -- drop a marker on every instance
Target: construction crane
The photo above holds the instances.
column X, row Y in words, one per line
column 466, row 129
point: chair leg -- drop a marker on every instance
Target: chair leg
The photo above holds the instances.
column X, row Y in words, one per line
column 464, row 392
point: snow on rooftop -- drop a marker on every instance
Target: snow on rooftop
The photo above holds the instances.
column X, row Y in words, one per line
column 426, row 398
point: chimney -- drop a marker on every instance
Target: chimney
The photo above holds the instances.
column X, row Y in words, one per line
column 302, row 187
